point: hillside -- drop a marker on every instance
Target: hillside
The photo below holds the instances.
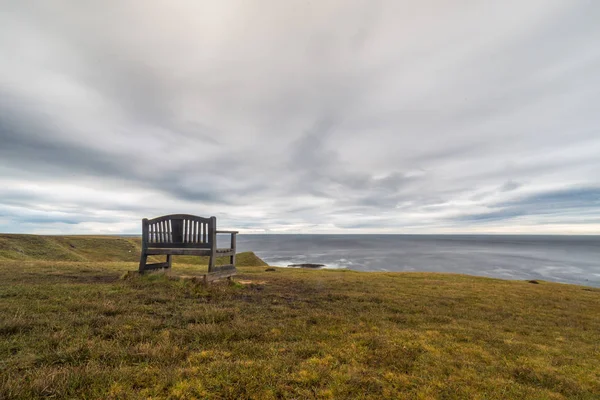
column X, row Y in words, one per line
column 86, row 329
column 91, row 248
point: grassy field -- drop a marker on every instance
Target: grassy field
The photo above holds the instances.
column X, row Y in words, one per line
column 85, row 329
column 94, row 248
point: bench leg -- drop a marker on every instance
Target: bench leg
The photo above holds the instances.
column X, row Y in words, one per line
column 233, row 248
column 211, row 263
column 169, row 261
column 143, row 261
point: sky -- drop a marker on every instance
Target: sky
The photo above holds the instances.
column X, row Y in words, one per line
column 305, row 116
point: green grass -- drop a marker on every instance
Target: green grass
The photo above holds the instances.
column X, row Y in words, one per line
column 94, row 248
column 82, row 329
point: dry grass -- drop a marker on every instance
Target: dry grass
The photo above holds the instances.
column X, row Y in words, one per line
column 78, row 330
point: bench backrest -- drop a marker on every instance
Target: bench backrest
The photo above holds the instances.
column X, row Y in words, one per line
column 179, row 231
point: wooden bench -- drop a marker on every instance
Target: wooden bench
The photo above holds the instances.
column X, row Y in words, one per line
column 183, row 234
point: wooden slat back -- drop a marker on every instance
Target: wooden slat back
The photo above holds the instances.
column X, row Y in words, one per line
column 180, row 230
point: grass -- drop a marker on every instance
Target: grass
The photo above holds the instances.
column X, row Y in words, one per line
column 94, row 248
column 83, row 329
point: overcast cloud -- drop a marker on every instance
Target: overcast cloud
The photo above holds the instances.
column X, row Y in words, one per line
column 301, row 116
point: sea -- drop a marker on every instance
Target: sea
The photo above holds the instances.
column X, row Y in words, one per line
column 567, row 259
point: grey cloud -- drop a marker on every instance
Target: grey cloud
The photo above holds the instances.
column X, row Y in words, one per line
column 510, row 186
column 30, row 141
column 355, row 115
column 49, row 220
column 320, row 171
column 579, row 197
column 565, row 202
column 37, row 217
column 491, row 216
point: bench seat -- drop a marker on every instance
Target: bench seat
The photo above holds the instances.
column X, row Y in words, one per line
column 189, row 252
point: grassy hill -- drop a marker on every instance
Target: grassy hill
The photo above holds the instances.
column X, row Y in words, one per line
column 92, row 248
column 85, row 329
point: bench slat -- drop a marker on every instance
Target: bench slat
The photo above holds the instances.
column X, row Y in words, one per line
column 188, row 228
column 187, row 231
column 212, row 276
column 178, row 216
column 156, row 266
column 159, row 245
column 223, row 268
column 181, row 232
column 178, row 252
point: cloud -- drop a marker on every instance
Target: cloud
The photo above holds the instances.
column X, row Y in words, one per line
column 579, row 202
column 510, row 186
column 332, row 116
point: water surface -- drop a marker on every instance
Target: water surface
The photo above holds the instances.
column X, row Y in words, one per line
column 569, row 259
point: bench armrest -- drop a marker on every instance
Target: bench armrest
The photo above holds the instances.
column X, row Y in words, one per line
column 233, row 240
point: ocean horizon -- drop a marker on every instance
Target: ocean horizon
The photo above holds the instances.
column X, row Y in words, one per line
column 559, row 258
